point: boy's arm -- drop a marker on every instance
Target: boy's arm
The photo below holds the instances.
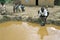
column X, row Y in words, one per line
column 39, row 13
column 48, row 14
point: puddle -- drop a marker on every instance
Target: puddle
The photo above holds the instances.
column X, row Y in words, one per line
column 16, row 30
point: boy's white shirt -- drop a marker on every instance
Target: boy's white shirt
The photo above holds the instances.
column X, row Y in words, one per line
column 3, row 7
column 20, row 7
column 43, row 13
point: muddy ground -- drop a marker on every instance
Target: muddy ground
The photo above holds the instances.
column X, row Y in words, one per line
column 32, row 12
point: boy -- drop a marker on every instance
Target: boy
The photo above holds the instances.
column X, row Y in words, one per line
column 21, row 7
column 43, row 13
column 3, row 8
column 15, row 7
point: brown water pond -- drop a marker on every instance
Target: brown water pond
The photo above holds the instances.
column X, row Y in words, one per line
column 17, row 30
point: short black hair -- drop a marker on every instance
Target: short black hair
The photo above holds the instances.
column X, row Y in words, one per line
column 42, row 9
column 2, row 3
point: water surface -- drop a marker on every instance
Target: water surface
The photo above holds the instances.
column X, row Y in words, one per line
column 17, row 30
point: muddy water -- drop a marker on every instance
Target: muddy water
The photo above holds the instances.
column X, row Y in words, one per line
column 14, row 30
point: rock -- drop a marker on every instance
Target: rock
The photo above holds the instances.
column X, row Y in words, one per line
column 18, row 18
column 25, row 18
column 1, row 17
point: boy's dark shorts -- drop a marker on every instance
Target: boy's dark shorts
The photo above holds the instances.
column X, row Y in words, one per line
column 42, row 16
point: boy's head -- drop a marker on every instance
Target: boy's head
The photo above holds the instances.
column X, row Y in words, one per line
column 2, row 3
column 42, row 9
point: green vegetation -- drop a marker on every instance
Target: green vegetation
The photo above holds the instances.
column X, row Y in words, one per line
column 57, row 2
column 6, row 1
column 2, row 1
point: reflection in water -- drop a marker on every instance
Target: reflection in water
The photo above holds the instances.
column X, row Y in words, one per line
column 23, row 31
